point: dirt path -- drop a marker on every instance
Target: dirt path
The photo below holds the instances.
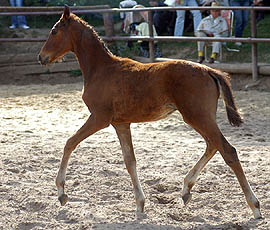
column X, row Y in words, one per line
column 36, row 121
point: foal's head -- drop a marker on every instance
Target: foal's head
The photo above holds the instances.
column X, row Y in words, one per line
column 59, row 41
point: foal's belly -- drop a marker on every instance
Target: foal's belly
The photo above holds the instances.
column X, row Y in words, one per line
column 142, row 113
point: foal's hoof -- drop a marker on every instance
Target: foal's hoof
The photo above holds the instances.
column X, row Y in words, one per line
column 186, row 198
column 63, row 199
column 257, row 214
column 140, row 206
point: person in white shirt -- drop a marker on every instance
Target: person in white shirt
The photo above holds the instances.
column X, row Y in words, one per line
column 212, row 26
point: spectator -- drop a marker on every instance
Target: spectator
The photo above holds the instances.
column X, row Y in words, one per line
column 143, row 30
column 212, row 26
column 124, row 15
column 126, row 4
column 134, row 17
column 219, row 2
column 164, row 21
column 180, row 18
column 223, row 2
column 18, row 21
column 241, row 18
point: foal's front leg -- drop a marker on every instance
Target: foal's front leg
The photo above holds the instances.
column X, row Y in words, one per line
column 124, row 135
column 92, row 125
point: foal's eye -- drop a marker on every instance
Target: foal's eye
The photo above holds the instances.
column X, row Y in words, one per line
column 54, row 31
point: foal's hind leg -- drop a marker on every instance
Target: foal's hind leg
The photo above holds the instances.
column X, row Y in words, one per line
column 193, row 174
column 124, row 135
column 230, row 156
column 216, row 141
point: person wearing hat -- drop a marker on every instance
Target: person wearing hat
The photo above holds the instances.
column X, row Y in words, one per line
column 211, row 26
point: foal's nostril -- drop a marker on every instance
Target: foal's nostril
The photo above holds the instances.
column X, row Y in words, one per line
column 39, row 58
column 43, row 61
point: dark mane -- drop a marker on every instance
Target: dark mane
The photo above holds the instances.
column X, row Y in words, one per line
column 92, row 30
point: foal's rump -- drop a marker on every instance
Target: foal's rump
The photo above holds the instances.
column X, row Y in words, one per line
column 197, row 87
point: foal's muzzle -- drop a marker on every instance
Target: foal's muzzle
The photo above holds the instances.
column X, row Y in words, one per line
column 43, row 61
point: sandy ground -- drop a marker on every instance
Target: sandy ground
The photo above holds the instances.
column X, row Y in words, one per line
column 36, row 121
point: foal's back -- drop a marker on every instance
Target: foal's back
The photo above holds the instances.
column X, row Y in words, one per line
column 147, row 92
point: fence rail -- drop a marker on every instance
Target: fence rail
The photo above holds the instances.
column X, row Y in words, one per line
column 109, row 30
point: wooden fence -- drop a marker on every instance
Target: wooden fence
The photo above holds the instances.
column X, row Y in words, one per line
column 109, row 26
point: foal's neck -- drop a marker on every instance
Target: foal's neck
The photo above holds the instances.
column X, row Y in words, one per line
column 91, row 52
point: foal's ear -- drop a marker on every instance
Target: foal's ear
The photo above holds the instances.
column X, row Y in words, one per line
column 66, row 12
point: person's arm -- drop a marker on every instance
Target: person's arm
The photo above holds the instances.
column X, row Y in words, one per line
column 205, row 27
column 221, row 28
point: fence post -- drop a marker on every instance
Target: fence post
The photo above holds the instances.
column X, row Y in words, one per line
column 108, row 24
column 254, row 46
column 151, row 34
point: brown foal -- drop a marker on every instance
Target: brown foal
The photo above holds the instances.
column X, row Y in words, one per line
column 119, row 91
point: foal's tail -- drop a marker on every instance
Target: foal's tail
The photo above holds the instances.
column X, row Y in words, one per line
column 223, row 80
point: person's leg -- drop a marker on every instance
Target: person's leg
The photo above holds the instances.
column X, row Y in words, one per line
column 200, row 46
column 144, row 49
column 200, row 43
column 14, row 21
column 238, row 19
column 216, row 46
column 245, row 14
column 197, row 16
column 21, row 19
column 179, row 23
